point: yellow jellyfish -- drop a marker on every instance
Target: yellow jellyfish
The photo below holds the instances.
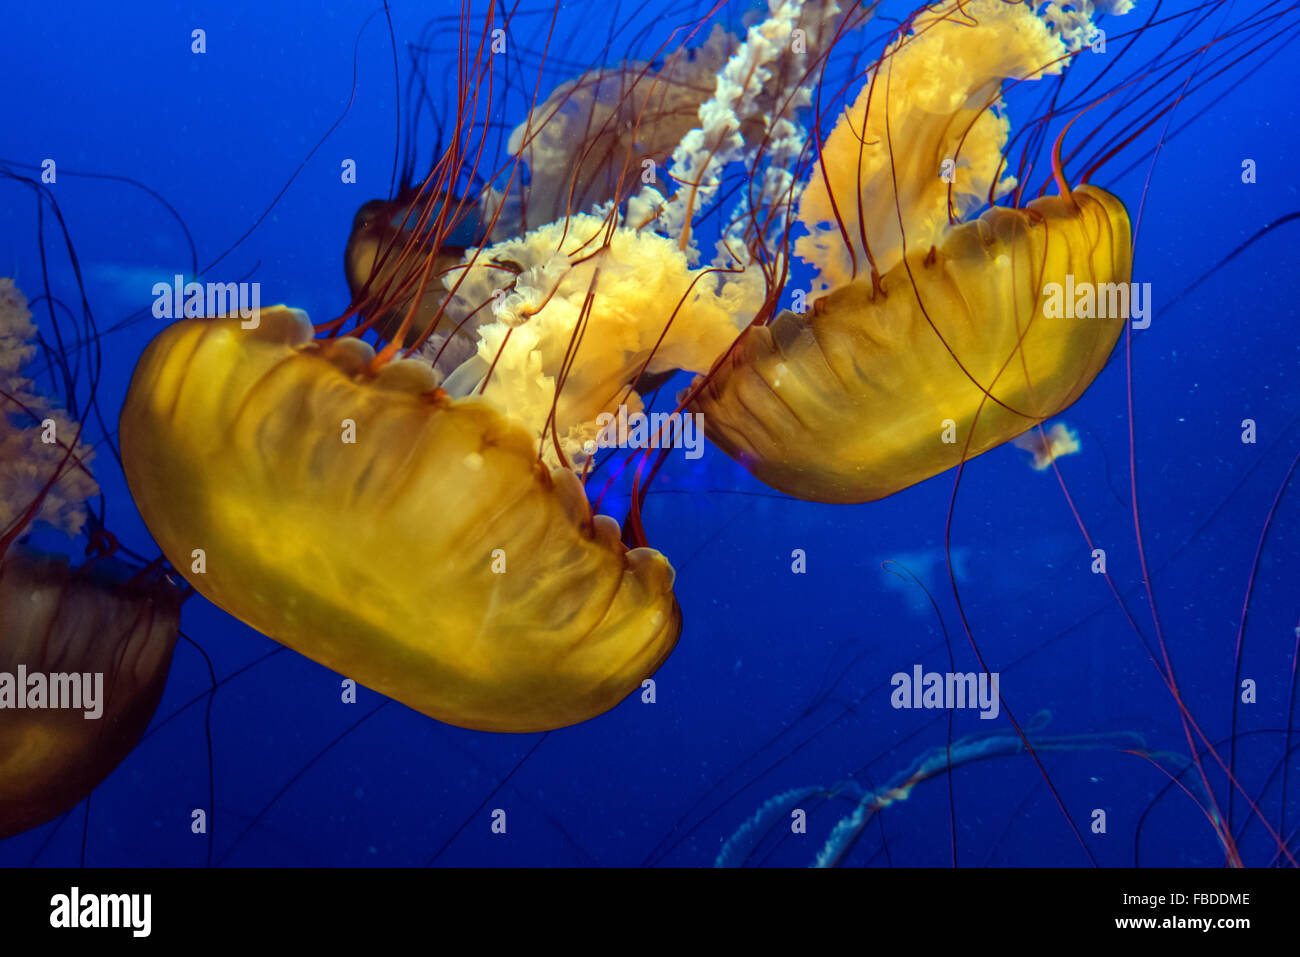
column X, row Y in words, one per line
column 404, row 538
column 84, row 653
column 931, row 342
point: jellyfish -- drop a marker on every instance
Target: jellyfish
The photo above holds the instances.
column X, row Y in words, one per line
column 866, row 802
column 595, row 140
column 930, row 342
column 429, row 555
column 1047, row 446
column 84, row 656
column 84, row 652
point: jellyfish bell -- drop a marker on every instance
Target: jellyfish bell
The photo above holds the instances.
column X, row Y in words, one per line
column 932, row 342
column 852, row 403
column 601, row 135
column 84, row 657
column 429, row 555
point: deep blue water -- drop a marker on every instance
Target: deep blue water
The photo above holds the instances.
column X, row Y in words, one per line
column 780, row 681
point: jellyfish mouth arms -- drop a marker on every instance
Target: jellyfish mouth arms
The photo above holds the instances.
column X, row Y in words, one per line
column 870, row 393
column 407, row 540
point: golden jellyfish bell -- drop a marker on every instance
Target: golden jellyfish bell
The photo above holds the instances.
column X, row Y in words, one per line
column 873, row 391
column 88, row 656
column 601, row 135
column 935, row 339
column 405, row 539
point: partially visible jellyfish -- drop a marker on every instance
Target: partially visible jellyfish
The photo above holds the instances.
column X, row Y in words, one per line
column 84, row 656
column 787, row 812
column 84, row 652
column 596, row 140
column 601, row 134
column 45, row 476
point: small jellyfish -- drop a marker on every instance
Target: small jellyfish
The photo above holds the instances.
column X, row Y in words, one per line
column 1048, row 446
column 866, row 803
